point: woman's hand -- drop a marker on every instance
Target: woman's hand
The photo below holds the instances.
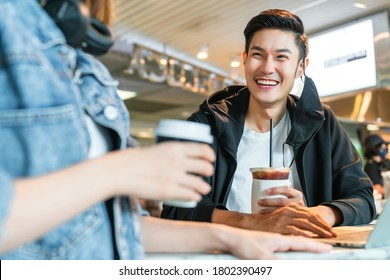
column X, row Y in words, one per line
column 262, row 245
column 171, row 170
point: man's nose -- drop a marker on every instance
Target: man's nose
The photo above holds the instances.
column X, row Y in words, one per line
column 268, row 66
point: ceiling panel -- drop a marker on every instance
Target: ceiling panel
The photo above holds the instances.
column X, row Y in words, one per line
column 187, row 25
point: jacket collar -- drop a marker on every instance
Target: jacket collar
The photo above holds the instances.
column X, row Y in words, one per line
column 306, row 113
column 229, row 107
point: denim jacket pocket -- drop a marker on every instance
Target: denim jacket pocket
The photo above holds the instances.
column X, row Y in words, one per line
column 36, row 141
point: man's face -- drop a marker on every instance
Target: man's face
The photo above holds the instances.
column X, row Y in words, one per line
column 271, row 66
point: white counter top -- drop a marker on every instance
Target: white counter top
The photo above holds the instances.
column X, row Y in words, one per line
column 338, row 253
column 335, row 254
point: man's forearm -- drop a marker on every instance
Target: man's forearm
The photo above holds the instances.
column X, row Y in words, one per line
column 231, row 218
column 331, row 215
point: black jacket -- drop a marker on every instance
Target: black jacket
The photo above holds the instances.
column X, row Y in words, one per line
column 329, row 167
column 374, row 172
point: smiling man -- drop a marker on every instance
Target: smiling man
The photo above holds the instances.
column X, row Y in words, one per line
column 328, row 187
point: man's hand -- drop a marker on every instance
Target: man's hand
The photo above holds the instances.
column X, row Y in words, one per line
column 292, row 219
column 292, row 196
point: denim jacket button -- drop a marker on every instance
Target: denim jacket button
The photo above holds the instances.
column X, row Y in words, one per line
column 111, row 112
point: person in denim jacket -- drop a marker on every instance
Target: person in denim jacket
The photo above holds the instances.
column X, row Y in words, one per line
column 70, row 173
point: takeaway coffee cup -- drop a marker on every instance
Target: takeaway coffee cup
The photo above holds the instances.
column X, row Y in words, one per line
column 265, row 178
column 178, row 130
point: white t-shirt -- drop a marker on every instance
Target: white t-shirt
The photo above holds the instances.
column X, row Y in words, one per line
column 253, row 151
column 101, row 142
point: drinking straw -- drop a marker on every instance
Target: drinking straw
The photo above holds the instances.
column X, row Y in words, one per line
column 271, row 126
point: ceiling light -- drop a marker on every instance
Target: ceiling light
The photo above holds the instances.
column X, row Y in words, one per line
column 203, row 52
column 164, row 57
column 372, row 127
column 145, row 134
column 164, row 60
column 235, row 63
column 125, row 94
column 361, row 4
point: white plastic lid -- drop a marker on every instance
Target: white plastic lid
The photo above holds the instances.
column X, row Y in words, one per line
column 184, row 130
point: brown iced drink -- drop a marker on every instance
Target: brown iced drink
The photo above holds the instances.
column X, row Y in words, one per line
column 270, row 173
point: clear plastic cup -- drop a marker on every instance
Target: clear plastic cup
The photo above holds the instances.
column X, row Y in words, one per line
column 265, row 178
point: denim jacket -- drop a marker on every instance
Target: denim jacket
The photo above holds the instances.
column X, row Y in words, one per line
column 45, row 88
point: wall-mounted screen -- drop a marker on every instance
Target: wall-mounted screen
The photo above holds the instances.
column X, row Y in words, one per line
column 343, row 59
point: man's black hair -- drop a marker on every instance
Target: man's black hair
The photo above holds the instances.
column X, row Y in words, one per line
column 280, row 20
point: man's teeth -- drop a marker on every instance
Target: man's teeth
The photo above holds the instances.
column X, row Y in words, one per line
column 267, row 82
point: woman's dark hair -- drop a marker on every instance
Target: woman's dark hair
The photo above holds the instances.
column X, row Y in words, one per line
column 371, row 151
column 281, row 20
column 372, row 145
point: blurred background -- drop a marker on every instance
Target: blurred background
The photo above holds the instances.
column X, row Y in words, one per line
column 169, row 55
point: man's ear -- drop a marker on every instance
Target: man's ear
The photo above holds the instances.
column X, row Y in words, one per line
column 301, row 68
column 244, row 57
